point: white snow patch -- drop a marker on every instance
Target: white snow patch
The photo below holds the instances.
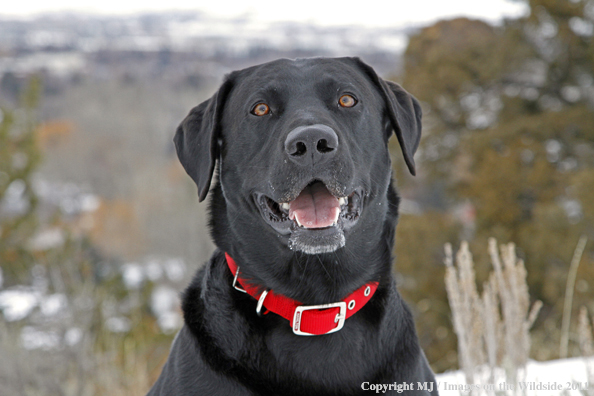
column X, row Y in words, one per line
column 73, row 336
column 17, row 303
column 89, row 202
column 32, row 338
column 47, row 239
column 164, row 304
column 169, row 322
column 133, row 275
column 175, row 268
column 53, row 304
column 153, row 270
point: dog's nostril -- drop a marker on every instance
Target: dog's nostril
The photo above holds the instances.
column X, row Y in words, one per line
column 300, row 149
column 311, row 144
column 323, row 147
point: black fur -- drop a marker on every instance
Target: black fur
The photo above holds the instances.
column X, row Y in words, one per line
column 225, row 348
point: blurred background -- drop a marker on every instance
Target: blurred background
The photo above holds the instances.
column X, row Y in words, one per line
column 100, row 228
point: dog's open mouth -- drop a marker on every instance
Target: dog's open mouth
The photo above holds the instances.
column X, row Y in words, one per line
column 315, row 219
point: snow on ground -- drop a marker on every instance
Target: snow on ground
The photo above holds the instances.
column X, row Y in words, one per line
column 17, row 303
column 568, row 377
column 20, row 302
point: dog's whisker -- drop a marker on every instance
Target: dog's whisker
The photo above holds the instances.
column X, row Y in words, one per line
column 323, row 266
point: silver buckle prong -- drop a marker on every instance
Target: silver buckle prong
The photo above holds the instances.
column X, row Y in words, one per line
column 340, row 316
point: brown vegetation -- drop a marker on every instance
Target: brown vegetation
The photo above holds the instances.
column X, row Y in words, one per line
column 493, row 327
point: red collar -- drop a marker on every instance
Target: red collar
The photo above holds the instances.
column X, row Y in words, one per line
column 306, row 319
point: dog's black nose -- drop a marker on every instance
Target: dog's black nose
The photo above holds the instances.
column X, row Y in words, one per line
column 311, row 144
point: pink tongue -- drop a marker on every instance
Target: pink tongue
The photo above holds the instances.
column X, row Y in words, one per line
column 315, row 207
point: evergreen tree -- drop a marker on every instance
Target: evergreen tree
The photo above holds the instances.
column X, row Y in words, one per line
column 19, row 158
column 509, row 115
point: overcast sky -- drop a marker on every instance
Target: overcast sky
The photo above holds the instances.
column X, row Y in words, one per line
column 346, row 12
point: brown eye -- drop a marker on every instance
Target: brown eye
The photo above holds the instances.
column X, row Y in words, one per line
column 347, row 101
column 261, row 109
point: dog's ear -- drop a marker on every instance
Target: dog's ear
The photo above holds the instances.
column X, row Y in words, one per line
column 404, row 113
column 405, row 116
column 196, row 139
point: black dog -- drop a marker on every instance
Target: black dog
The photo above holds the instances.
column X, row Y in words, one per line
column 303, row 214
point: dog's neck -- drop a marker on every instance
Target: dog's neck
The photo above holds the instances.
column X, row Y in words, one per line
column 311, row 279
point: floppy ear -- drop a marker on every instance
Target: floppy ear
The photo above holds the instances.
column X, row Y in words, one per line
column 404, row 113
column 196, row 139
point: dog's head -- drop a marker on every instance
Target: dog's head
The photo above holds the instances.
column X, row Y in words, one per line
column 302, row 151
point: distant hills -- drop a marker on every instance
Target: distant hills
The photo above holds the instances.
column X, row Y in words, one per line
column 174, row 45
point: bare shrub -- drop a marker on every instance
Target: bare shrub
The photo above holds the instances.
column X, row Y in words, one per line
column 492, row 328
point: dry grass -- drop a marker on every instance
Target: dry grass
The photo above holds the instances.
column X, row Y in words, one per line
column 586, row 341
column 568, row 301
column 492, row 328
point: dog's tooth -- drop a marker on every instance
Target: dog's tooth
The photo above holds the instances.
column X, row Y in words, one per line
column 297, row 220
column 341, row 201
column 285, row 206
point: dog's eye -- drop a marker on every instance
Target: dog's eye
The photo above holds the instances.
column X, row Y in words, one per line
column 347, row 101
column 261, row 109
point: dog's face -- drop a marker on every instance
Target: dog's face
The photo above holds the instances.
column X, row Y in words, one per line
column 302, row 150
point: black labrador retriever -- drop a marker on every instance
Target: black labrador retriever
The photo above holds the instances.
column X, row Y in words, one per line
column 299, row 298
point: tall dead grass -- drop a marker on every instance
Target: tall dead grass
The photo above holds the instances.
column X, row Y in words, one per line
column 492, row 327
column 586, row 341
column 568, row 301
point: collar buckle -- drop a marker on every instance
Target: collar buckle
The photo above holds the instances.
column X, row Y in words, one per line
column 235, row 282
column 340, row 317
